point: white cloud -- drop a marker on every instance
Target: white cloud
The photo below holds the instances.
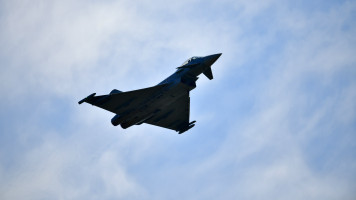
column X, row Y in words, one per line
column 65, row 171
column 288, row 143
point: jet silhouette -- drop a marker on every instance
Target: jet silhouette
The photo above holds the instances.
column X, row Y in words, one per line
column 166, row 104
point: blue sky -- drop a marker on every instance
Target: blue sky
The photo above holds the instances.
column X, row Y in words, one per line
column 278, row 121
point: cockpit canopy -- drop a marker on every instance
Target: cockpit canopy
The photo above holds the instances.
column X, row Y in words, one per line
column 190, row 60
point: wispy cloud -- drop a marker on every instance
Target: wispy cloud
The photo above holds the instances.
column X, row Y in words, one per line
column 277, row 122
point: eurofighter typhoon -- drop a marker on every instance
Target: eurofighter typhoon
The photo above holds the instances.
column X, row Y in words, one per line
column 165, row 105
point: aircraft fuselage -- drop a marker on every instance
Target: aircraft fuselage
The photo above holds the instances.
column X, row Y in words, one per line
column 158, row 104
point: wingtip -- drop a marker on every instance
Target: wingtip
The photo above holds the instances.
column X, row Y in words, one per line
column 189, row 126
column 86, row 98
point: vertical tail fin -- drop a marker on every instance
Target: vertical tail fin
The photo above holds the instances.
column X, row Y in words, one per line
column 208, row 73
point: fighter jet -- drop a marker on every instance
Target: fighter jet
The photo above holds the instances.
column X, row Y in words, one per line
column 166, row 104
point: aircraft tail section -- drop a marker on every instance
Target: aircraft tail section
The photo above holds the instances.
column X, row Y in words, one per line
column 208, row 73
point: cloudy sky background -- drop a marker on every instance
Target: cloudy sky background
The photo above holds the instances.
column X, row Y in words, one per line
column 278, row 121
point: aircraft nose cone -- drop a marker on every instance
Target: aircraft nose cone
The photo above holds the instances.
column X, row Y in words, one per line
column 209, row 60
